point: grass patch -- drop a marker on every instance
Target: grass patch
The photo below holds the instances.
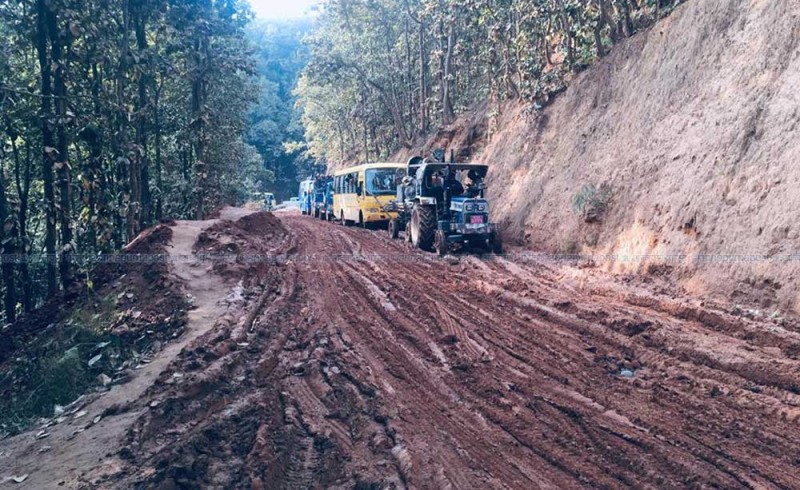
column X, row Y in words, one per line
column 54, row 368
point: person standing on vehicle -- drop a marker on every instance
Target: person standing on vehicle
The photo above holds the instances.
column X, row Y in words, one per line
column 474, row 182
column 437, row 186
column 451, row 186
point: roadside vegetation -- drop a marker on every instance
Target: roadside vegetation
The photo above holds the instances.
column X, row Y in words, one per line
column 381, row 75
column 114, row 116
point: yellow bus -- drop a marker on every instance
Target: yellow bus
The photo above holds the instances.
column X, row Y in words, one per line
column 361, row 192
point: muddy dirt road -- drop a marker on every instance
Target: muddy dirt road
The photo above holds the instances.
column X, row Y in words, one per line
column 352, row 361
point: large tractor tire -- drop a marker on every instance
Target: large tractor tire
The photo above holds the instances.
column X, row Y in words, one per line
column 342, row 219
column 394, row 228
column 423, row 226
column 440, row 243
column 494, row 243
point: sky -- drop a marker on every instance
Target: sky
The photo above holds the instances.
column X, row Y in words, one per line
column 281, row 9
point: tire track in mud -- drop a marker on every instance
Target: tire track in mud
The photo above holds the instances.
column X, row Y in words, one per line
column 355, row 361
column 476, row 440
column 680, row 431
column 402, row 365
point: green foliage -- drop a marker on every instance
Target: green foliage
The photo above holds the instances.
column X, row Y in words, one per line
column 52, row 371
column 275, row 128
column 147, row 103
column 382, row 74
column 591, row 202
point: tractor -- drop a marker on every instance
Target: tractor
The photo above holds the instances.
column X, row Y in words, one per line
column 441, row 206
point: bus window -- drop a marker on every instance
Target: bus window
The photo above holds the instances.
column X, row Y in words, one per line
column 350, row 184
column 381, row 181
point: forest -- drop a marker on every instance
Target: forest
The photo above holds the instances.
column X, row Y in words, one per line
column 115, row 115
column 382, row 75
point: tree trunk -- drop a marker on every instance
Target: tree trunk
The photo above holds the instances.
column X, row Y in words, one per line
column 567, row 26
column 131, row 152
column 20, row 236
column 48, row 150
column 626, row 14
column 423, row 82
column 7, row 234
column 447, row 103
column 157, row 124
column 598, row 36
column 143, row 190
column 198, row 120
column 409, row 82
column 122, row 166
column 58, row 47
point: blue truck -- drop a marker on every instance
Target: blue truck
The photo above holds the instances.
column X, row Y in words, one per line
column 306, row 196
column 323, row 197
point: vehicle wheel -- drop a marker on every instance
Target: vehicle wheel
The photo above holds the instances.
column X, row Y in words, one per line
column 408, row 232
column 342, row 220
column 497, row 243
column 440, row 243
column 361, row 222
column 394, row 228
column 423, row 226
column 328, row 216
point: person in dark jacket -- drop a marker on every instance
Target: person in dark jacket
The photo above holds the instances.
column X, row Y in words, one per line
column 452, row 187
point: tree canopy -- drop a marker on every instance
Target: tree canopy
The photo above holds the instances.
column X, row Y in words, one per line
column 114, row 115
column 382, row 73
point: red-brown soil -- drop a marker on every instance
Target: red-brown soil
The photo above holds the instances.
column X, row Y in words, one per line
column 692, row 125
column 356, row 361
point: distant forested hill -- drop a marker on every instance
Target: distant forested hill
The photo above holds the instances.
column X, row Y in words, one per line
column 276, row 130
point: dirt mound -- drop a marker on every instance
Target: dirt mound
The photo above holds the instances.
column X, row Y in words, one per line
column 149, row 242
column 679, row 145
column 123, row 314
column 243, row 248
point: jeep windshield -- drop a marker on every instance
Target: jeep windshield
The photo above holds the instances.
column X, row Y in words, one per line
column 381, row 181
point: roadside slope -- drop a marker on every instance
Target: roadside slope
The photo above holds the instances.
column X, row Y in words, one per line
column 76, row 447
column 692, row 124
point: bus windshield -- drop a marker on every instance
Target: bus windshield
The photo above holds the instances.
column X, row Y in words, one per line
column 381, row 181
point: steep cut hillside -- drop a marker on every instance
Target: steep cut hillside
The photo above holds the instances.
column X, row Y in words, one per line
column 691, row 125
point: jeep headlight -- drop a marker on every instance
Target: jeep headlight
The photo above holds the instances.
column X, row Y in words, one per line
column 481, row 207
column 469, row 207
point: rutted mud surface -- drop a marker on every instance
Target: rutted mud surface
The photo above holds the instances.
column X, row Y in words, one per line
column 352, row 361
